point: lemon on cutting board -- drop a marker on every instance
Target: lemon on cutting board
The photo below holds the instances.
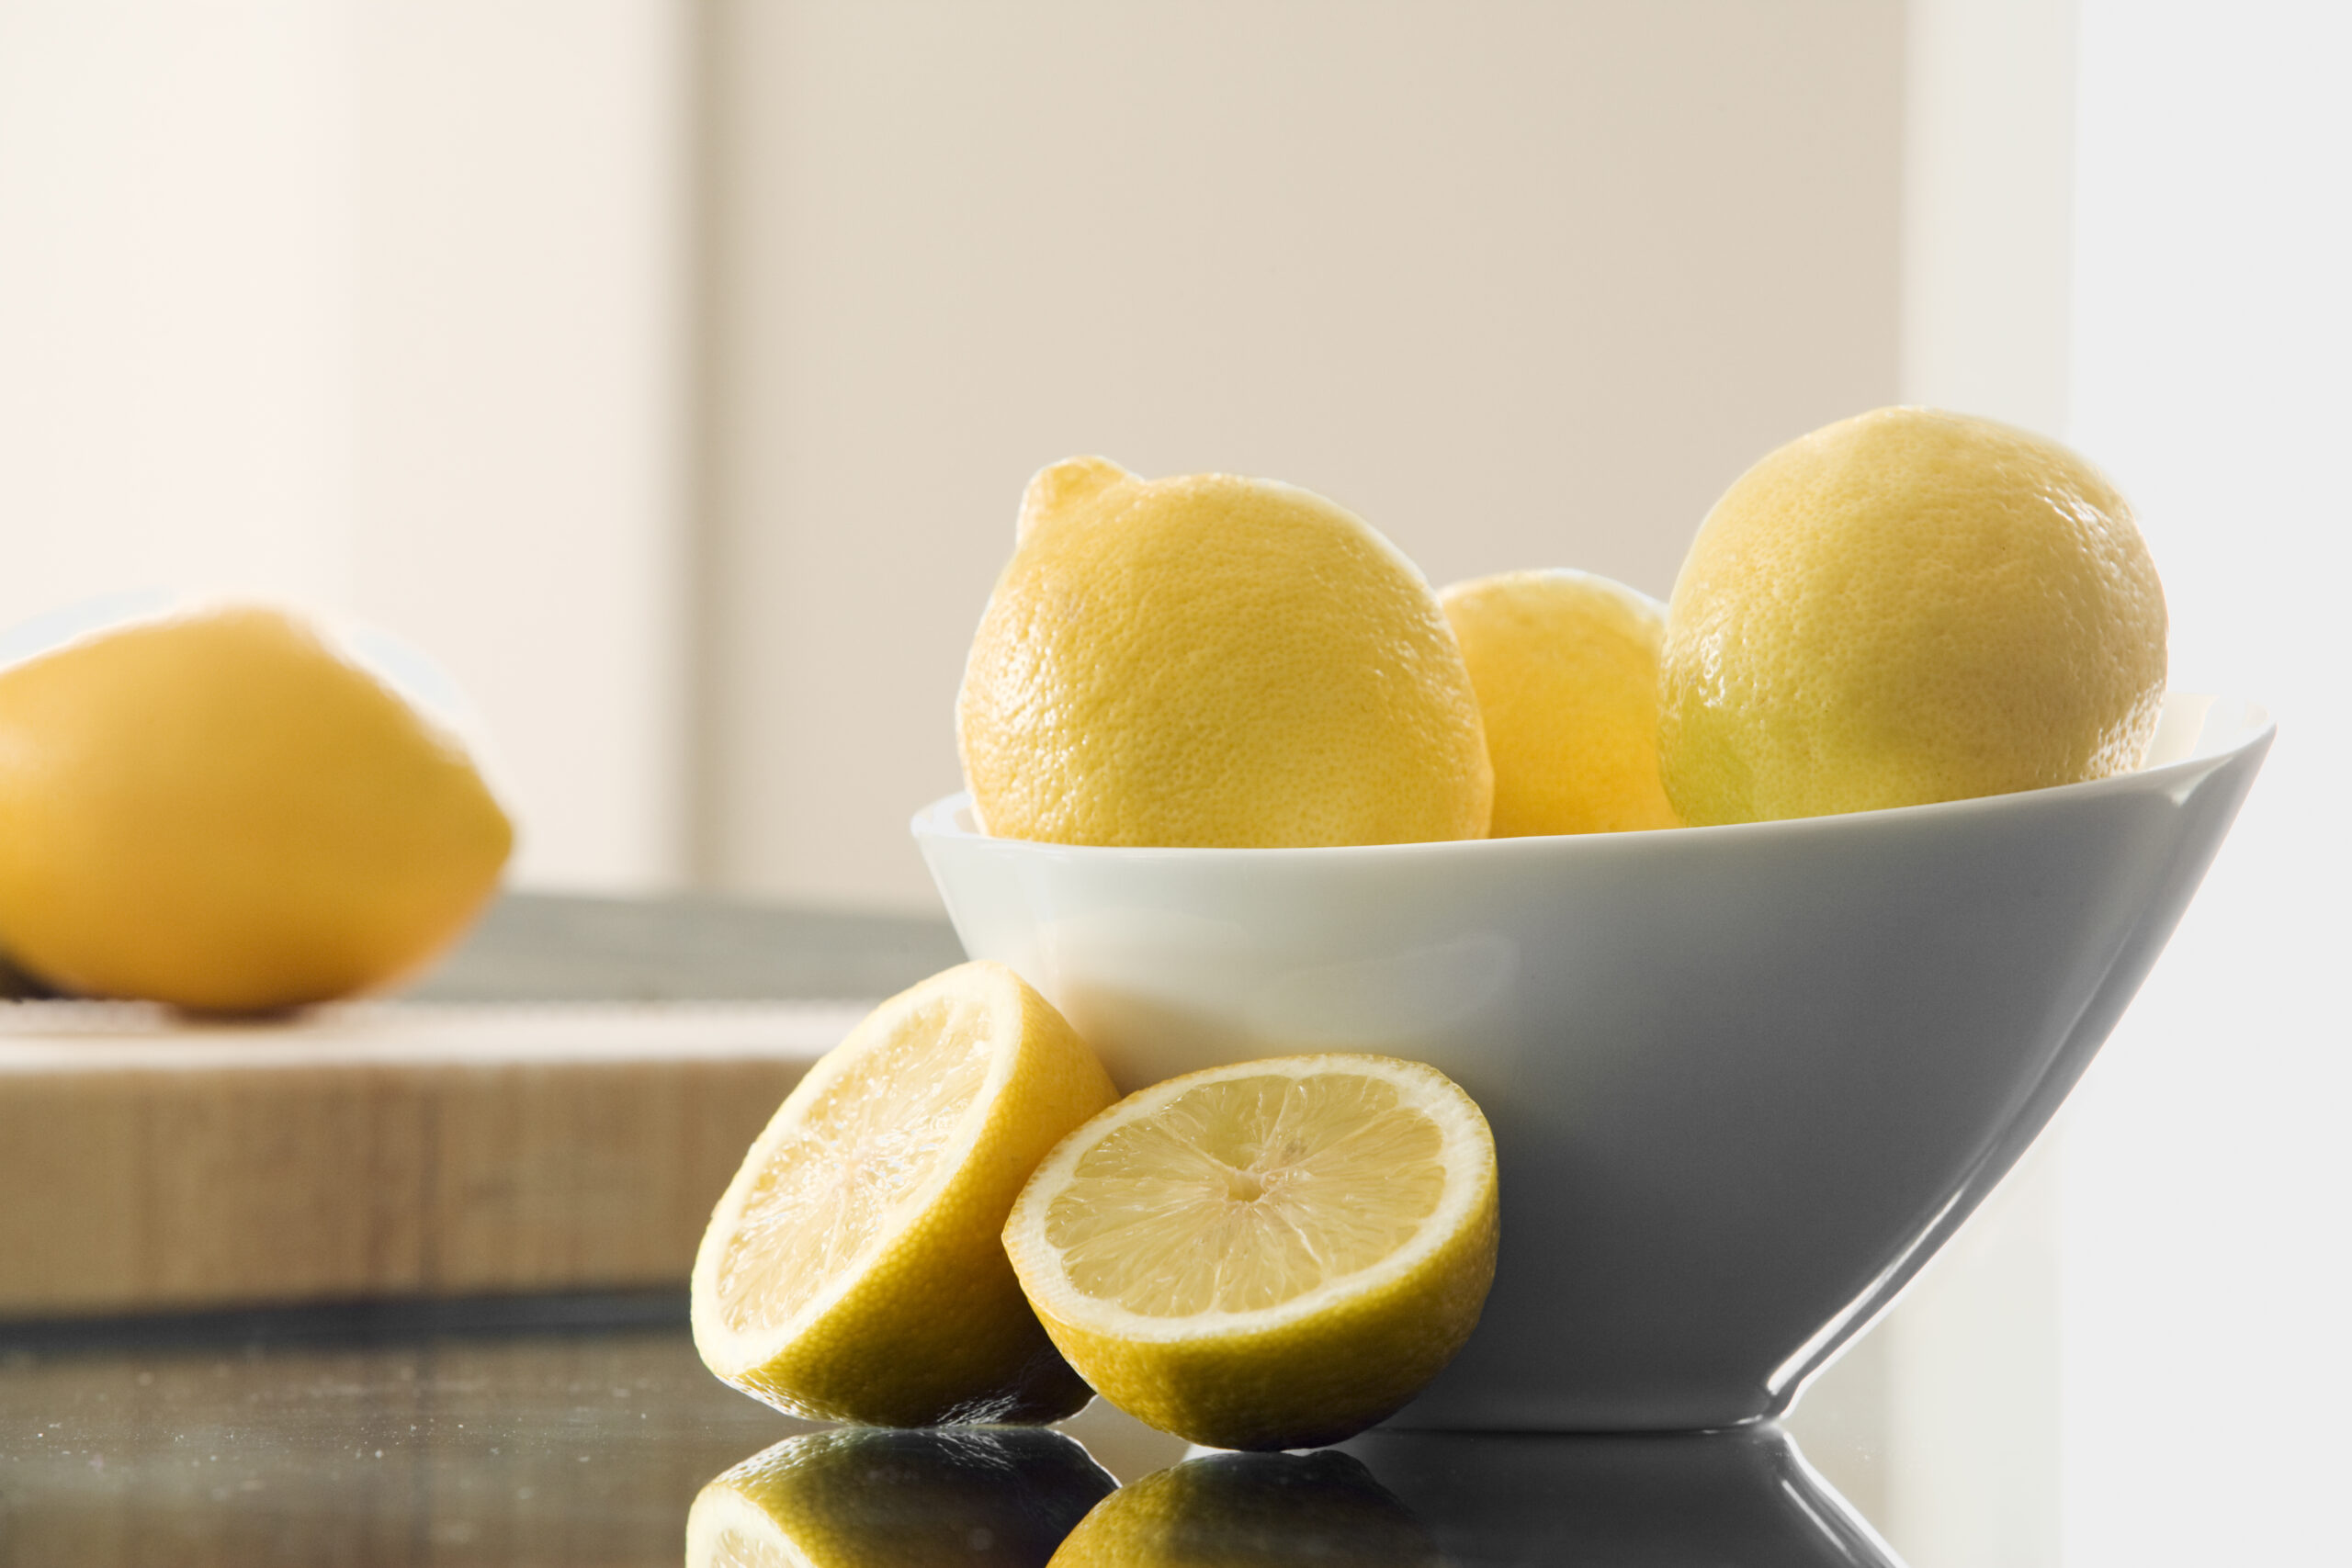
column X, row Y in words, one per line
column 1214, row 661
column 1566, row 667
column 852, row 1270
column 1904, row 607
column 218, row 810
column 1268, row 1255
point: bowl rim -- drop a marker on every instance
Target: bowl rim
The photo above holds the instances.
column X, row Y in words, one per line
column 2228, row 728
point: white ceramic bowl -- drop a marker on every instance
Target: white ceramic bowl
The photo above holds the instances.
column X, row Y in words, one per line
column 1743, row 1080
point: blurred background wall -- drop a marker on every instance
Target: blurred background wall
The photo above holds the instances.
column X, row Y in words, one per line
column 2207, row 1197
column 1521, row 284
column 382, row 307
column 669, row 370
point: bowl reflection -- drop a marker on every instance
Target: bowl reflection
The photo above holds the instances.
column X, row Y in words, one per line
column 1744, row 1496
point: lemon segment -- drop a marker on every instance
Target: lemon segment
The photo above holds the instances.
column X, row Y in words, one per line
column 1214, row 660
column 1566, row 667
column 1904, row 607
column 852, row 1271
column 1269, row 1255
column 219, row 811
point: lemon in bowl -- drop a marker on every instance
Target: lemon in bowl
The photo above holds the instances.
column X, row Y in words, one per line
column 1904, row 607
column 1743, row 1078
column 1565, row 666
column 1212, row 660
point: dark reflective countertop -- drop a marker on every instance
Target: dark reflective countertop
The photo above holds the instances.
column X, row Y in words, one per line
column 584, row 1431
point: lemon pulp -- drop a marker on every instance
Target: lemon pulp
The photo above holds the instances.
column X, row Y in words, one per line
column 1247, row 1193
column 831, row 1184
column 853, row 1269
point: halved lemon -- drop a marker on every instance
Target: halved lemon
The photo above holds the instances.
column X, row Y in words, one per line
column 1270, row 1255
column 853, row 1270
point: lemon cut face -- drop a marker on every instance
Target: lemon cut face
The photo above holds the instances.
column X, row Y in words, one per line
column 852, row 1271
column 1270, row 1255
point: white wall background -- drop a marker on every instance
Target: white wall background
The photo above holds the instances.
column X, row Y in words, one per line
column 1524, row 285
column 1959, row 1386
column 174, row 334
column 520, row 494
column 2209, row 1276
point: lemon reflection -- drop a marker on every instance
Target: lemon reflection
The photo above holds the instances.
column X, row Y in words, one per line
column 864, row 1495
column 1242, row 1510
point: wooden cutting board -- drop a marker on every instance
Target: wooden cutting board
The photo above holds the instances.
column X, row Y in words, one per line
column 398, row 1148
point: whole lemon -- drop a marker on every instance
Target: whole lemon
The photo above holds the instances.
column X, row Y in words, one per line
column 1565, row 666
column 1214, row 661
column 218, row 811
column 1904, row 607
